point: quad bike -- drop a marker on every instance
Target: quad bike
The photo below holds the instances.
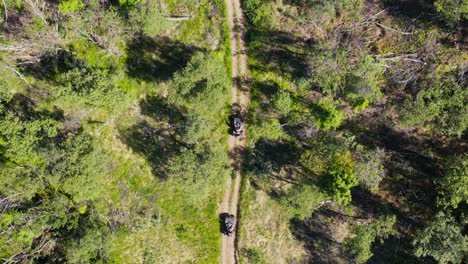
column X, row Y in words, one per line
column 229, row 223
column 237, row 127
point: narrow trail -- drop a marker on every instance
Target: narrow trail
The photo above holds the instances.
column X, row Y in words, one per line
column 239, row 97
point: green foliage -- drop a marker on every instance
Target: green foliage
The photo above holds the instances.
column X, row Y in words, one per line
column 253, row 256
column 358, row 103
column 329, row 71
column 269, row 128
column 359, row 81
column 441, row 105
column 283, row 102
column 454, row 184
column 70, row 6
column 261, row 14
column 196, row 171
column 46, row 179
column 23, row 131
column 452, row 10
column 130, row 2
column 89, row 243
column 201, row 89
column 369, row 169
column 340, row 178
column 442, row 239
column 323, row 148
column 149, row 19
column 360, row 243
column 66, row 174
column 325, row 10
column 363, row 84
column 302, row 199
column 327, row 115
column 76, row 167
column 49, row 228
column 88, row 88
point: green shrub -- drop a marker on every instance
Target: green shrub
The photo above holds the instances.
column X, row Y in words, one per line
column 130, row 2
column 269, row 128
column 363, row 236
column 340, row 178
column 283, row 102
column 70, row 6
column 369, row 168
column 329, row 71
column 442, row 239
column 301, row 199
column 260, row 14
column 89, row 88
column 452, row 10
column 327, row 115
column 454, row 185
column 253, row 255
column 440, row 104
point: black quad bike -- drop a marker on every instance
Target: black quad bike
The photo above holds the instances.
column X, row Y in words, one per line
column 237, row 127
column 229, row 223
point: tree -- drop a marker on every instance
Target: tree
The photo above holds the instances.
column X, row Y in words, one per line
column 452, row 10
column 48, row 176
column 130, row 2
column 340, row 178
column 363, row 236
column 283, row 102
column 454, row 185
column 70, row 6
column 260, row 14
column 441, row 104
column 442, row 239
column 327, row 115
column 301, row 200
column 369, row 168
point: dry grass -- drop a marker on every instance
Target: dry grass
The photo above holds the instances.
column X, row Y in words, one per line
column 264, row 235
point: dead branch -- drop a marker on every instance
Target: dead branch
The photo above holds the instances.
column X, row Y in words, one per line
column 10, row 48
column 16, row 72
column 402, row 58
column 12, row 258
column 177, row 18
column 405, row 57
column 36, row 10
column 322, row 203
column 379, row 13
column 394, row 30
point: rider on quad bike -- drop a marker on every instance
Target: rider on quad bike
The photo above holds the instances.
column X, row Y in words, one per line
column 229, row 223
column 237, row 127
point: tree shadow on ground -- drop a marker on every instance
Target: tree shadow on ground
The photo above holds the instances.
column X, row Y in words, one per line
column 161, row 111
column 315, row 233
column 409, row 156
column 421, row 11
column 157, row 145
column 281, row 52
column 25, row 108
column 235, row 155
column 394, row 249
column 156, row 59
column 50, row 64
column 272, row 160
column 421, row 14
column 157, row 141
column 408, row 190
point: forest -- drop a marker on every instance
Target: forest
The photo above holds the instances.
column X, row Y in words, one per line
column 114, row 131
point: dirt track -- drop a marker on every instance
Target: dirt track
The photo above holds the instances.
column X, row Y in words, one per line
column 239, row 96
